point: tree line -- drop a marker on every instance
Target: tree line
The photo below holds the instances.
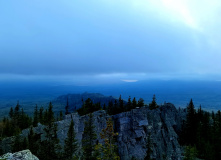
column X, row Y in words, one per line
column 113, row 107
column 201, row 133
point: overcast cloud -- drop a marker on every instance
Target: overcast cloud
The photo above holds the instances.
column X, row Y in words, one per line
column 133, row 39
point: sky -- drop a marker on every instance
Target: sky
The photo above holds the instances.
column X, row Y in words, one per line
column 110, row 40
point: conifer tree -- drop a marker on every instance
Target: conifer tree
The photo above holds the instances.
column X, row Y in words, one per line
column 17, row 144
column 190, row 153
column 41, row 115
column 121, row 105
column 25, row 143
column 149, row 149
column 191, row 124
column 50, row 146
column 88, row 140
column 31, row 140
column 104, row 107
column 61, row 116
column 110, row 108
column 115, row 109
column 36, row 118
column 67, row 108
column 50, row 113
column 134, row 103
column 153, row 104
column 129, row 104
column 140, row 102
column 70, row 146
column 16, row 113
column 108, row 150
column 11, row 113
column 34, row 142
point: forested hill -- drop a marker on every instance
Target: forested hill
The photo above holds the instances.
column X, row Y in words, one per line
column 76, row 100
column 59, row 103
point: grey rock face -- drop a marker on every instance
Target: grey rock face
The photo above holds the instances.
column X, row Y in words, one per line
column 133, row 128
column 22, row 155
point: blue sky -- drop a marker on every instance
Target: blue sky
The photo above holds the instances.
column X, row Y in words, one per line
column 112, row 40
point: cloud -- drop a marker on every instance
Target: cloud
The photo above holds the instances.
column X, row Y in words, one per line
column 156, row 37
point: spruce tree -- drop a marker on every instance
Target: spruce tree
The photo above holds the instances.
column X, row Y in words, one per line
column 149, row 148
column 88, row 140
column 41, row 115
column 67, row 108
column 153, row 104
column 71, row 145
column 140, row 102
column 31, row 140
column 104, row 107
column 25, row 143
column 34, row 142
column 16, row 114
column 121, row 105
column 17, row 144
column 190, row 153
column 50, row 113
column 110, row 108
column 61, row 116
column 36, row 116
column 115, row 108
column 190, row 125
column 129, row 104
column 50, row 146
column 134, row 103
column 11, row 113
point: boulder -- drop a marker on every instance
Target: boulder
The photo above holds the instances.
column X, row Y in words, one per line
column 22, row 155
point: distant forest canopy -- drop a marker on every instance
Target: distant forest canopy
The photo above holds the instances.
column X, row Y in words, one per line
column 200, row 131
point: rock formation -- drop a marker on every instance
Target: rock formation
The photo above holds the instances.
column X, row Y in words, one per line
column 22, row 155
column 133, row 127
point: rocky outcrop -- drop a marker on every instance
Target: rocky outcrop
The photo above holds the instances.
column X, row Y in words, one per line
column 22, row 155
column 133, row 127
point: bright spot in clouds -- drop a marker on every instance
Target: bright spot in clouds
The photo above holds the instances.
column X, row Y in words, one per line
column 129, row 80
column 181, row 10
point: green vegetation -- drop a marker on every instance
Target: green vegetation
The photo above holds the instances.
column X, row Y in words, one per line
column 149, row 148
column 71, row 143
column 201, row 133
column 190, row 153
column 16, row 122
column 120, row 106
column 88, row 107
column 108, row 151
column 153, row 104
column 88, row 139
column 67, row 108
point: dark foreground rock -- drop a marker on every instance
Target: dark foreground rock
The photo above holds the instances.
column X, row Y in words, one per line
column 133, row 127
